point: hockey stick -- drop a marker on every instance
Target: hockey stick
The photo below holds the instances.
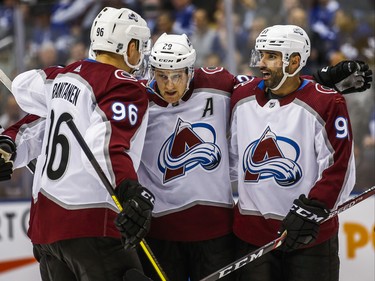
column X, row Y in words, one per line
column 5, row 80
column 8, row 84
column 111, row 191
column 248, row 258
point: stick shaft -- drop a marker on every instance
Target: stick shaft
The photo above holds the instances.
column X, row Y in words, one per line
column 351, row 202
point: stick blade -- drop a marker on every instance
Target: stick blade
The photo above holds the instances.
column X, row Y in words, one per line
column 135, row 275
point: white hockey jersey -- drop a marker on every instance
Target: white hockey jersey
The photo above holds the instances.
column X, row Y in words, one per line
column 110, row 109
column 281, row 148
column 185, row 160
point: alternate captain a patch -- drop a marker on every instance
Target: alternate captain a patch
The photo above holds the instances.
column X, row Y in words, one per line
column 272, row 156
column 190, row 146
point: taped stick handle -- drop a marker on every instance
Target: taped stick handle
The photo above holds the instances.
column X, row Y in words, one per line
column 111, row 191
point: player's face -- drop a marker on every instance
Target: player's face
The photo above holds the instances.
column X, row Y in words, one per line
column 171, row 83
column 271, row 66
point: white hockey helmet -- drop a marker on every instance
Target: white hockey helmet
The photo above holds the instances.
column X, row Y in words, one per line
column 171, row 52
column 113, row 29
column 286, row 39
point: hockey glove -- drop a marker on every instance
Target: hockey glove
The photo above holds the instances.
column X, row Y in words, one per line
column 134, row 220
column 135, row 275
column 346, row 77
column 302, row 223
column 7, row 154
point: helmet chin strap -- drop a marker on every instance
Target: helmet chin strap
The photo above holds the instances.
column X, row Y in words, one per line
column 286, row 75
column 190, row 77
column 129, row 64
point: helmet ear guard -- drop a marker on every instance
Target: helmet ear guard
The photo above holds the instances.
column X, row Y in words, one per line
column 113, row 29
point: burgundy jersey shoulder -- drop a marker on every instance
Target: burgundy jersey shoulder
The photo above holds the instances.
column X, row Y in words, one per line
column 213, row 77
column 107, row 83
column 104, row 78
column 322, row 99
column 248, row 86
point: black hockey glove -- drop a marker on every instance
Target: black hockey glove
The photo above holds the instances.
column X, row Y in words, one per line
column 135, row 275
column 302, row 223
column 346, row 77
column 135, row 219
column 7, row 154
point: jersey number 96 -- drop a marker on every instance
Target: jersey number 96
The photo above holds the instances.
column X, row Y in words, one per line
column 122, row 111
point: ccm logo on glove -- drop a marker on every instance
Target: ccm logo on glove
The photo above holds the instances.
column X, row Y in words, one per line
column 307, row 214
column 148, row 196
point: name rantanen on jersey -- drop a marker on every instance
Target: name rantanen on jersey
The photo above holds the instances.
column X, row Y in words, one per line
column 66, row 91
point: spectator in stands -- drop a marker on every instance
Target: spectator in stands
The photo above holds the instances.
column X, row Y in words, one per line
column 298, row 16
column 212, row 60
column 150, row 10
column 164, row 24
column 286, row 7
column 47, row 55
column 247, row 10
column 203, row 37
column 66, row 13
column 6, row 17
column 220, row 43
column 78, row 51
column 183, row 11
column 45, row 31
column 321, row 20
column 248, row 37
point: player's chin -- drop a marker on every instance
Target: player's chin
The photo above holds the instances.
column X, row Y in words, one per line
column 172, row 98
column 268, row 83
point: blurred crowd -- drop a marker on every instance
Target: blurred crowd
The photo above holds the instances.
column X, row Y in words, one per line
column 47, row 33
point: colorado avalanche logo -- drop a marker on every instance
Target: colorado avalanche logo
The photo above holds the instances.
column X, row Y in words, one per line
column 272, row 157
column 189, row 146
column 133, row 16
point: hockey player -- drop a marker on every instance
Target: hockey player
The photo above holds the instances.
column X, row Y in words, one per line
column 186, row 159
column 292, row 152
column 72, row 215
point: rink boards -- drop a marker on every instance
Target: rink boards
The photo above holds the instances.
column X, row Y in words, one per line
column 357, row 243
